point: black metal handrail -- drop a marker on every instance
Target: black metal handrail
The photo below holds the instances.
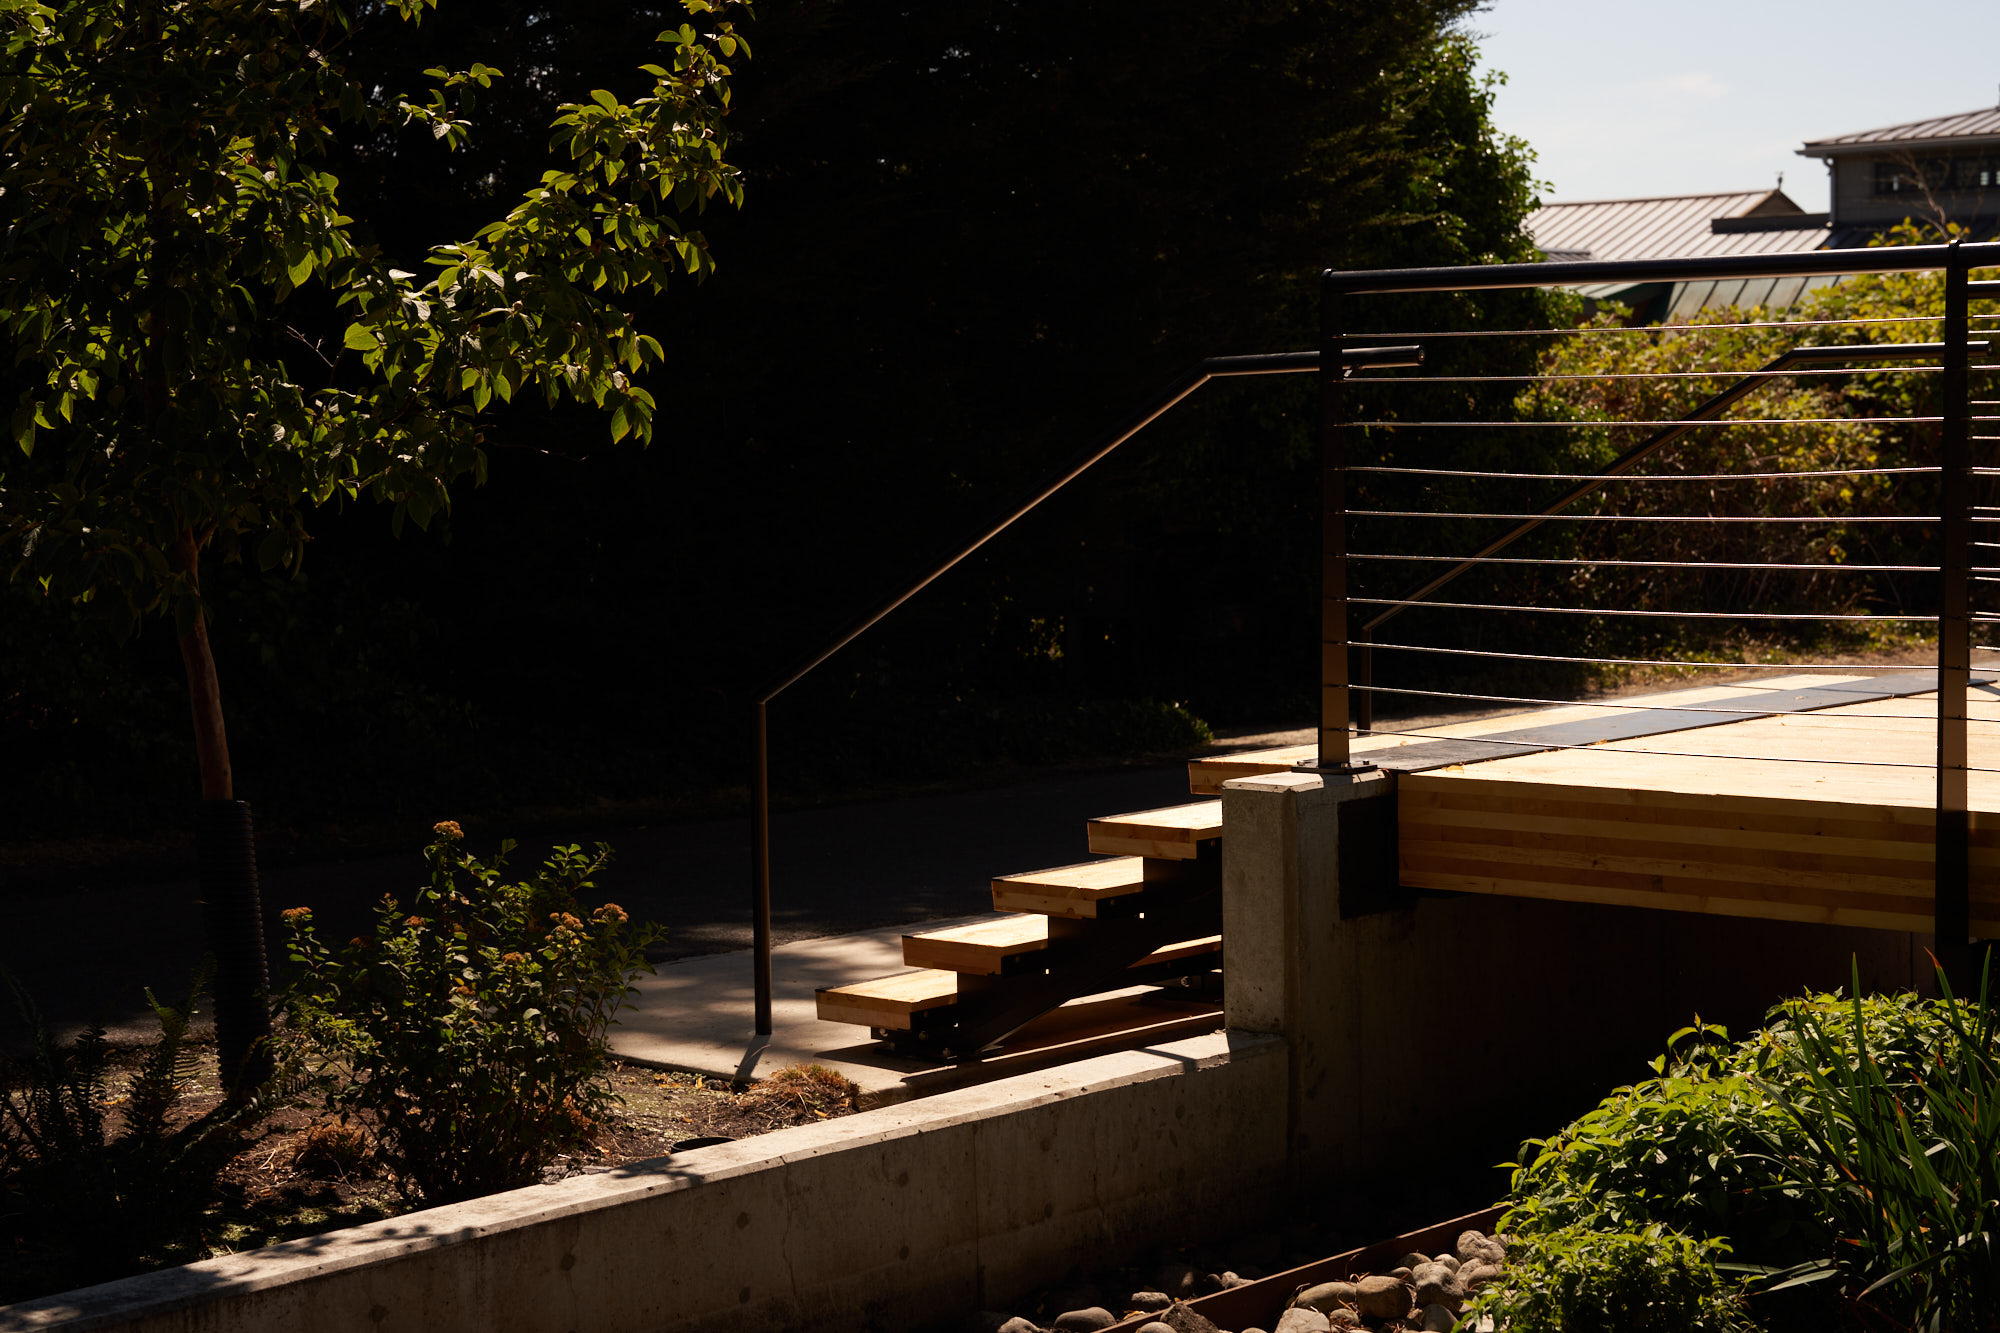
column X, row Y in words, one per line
column 1215, row 367
column 1797, row 264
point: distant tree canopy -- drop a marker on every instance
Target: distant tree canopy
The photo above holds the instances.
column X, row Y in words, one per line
column 972, row 234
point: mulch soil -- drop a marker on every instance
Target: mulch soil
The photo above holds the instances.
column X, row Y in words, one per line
column 306, row 1169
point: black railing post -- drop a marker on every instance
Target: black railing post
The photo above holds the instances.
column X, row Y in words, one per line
column 1333, row 710
column 760, row 862
column 1952, row 928
column 1363, row 698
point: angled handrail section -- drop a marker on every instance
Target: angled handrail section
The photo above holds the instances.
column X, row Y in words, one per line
column 1212, row 368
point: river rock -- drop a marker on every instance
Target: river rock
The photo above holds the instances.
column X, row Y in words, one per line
column 1020, row 1325
column 1477, row 1245
column 1326, row 1297
column 1342, row 1317
column 1087, row 1320
column 1450, row 1261
column 1438, row 1319
column 1151, row 1302
column 1477, row 1272
column 1437, row 1285
column 1412, row 1259
column 1299, row 1319
column 1381, row 1297
column 1181, row 1319
column 1178, row 1279
column 1156, row 1327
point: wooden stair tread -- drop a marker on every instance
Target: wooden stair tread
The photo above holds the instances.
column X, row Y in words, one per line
column 1070, row 891
column 1206, row 775
column 1173, row 833
column 982, row 947
column 887, row 1002
column 1173, row 953
column 893, row 1002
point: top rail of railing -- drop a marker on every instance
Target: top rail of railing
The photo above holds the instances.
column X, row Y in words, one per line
column 1798, row 264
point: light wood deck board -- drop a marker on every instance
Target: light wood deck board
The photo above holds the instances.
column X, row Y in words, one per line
column 1206, row 775
column 1735, row 820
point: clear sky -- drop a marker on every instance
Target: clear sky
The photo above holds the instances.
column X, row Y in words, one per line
column 1627, row 98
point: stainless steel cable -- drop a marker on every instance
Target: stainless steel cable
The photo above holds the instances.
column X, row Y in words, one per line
column 1873, row 368
column 1670, row 754
column 1642, row 707
column 1657, row 518
column 1654, row 564
column 1663, row 328
column 1652, row 425
column 1668, row 476
column 1666, row 615
column 1647, row 661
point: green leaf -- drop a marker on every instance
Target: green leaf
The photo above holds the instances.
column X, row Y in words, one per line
column 360, row 338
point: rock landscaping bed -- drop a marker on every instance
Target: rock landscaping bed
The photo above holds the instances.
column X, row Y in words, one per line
column 1415, row 1292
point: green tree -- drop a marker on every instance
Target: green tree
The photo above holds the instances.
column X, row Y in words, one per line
column 205, row 348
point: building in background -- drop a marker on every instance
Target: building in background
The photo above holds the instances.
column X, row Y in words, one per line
column 1945, row 170
column 1746, row 222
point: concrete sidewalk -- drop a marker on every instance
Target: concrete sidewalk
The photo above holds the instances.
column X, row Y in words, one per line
column 697, row 1015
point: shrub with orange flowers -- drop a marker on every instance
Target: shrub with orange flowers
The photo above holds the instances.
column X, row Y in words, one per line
column 472, row 1026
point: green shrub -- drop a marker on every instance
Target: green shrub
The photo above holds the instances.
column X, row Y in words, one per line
column 472, row 1025
column 1842, row 1146
column 87, row 1199
column 1899, row 1149
column 1579, row 1279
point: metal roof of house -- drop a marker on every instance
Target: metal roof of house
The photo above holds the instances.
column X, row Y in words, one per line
column 1674, row 225
column 1939, row 131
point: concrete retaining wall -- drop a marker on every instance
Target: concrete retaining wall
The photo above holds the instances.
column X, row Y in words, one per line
column 1469, row 1022
column 896, row 1218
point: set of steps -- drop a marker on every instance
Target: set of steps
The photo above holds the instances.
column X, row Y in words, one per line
column 1148, row 912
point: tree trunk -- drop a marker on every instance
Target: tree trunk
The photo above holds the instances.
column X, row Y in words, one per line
column 232, row 914
column 211, row 741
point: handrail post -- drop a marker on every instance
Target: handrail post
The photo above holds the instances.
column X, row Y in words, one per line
column 1333, row 745
column 1952, row 926
column 1335, row 754
column 760, row 862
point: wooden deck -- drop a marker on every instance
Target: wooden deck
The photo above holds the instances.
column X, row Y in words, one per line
column 1824, row 815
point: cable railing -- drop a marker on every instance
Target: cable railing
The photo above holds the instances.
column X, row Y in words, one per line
column 1611, row 562
column 1347, row 686
column 1190, row 382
